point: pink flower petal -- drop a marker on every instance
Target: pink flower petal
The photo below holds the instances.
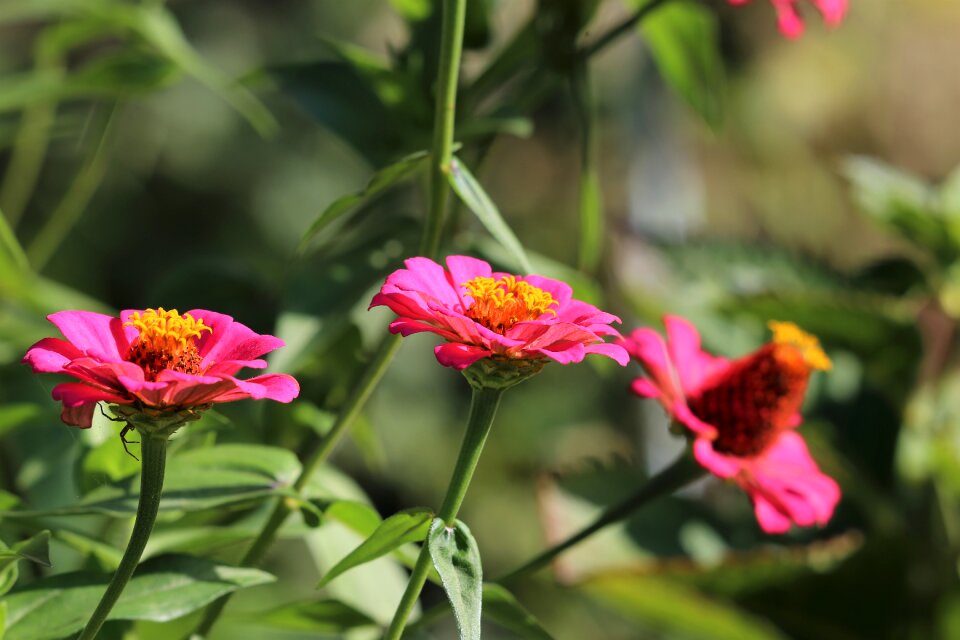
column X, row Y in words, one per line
column 463, row 269
column 95, row 334
column 651, row 352
column 716, row 463
column 561, row 291
column 458, row 355
column 613, row 351
column 273, row 386
column 50, row 355
column 791, row 25
column 230, row 340
column 644, row 388
column 79, row 400
column 832, row 11
column 79, row 416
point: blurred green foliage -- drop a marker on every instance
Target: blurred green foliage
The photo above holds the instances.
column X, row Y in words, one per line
column 267, row 160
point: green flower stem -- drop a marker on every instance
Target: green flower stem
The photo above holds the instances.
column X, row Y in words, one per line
column 348, row 413
column 153, row 451
column 444, row 119
column 590, row 204
column 679, row 474
column 483, row 408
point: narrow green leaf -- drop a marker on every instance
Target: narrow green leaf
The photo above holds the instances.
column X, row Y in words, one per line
column 500, row 606
column 10, row 244
column 401, row 528
column 3, row 619
column 35, row 548
column 414, row 10
column 162, row 589
column 477, row 200
column 682, row 36
column 379, row 182
column 320, row 616
column 457, row 559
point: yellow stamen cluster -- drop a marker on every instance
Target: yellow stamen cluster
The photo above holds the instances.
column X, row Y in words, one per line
column 166, row 341
column 499, row 304
column 808, row 345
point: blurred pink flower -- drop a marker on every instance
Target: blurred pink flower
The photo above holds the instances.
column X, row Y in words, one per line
column 788, row 16
column 742, row 415
column 483, row 314
column 155, row 359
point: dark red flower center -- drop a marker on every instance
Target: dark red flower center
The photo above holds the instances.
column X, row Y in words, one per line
column 756, row 399
column 167, row 340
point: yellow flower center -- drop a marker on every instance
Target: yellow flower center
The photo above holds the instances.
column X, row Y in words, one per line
column 809, row 347
column 500, row 304
column 167, row 340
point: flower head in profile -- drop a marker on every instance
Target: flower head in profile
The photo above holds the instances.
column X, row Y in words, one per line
column 484, row 314
column 742, row 415
column 155, row 361
column 788, row 14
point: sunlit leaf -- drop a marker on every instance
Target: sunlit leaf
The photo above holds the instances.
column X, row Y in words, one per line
column 399, row 529
column 475, row 197
column 682, row 36
column 457, row 559
column 162, row 589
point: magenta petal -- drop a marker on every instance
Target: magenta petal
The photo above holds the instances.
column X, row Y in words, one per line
column 74, row 394
column 832, row 10
column 718, row 464
column 458, row 355
column 771, row 519
column 230, row 367
column 464, row 269
column 644, row 388
column 95, row 334
column 79, row 416
column 274, row 386
column 791, row 25
column 230, row 340
column 50, row 355
column 613, row 351
column 561, row 291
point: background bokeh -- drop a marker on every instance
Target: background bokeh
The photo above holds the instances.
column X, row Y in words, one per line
column 816, row 197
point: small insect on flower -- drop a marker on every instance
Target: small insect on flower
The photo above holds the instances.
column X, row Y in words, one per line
column 742, row 415
column 486, row 315
column 156, row 363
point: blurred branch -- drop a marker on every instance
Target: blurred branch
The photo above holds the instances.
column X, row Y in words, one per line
column 73, row 204
column 627, row 26
column 8, row 240
column 590, row 202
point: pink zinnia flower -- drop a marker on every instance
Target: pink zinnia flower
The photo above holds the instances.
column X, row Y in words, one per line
column 742, row 415
column 788, row 16
column 485, row 314
column 155, row 360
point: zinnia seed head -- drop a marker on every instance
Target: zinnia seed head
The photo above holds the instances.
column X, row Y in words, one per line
column 759, row 396
column 167, row 340
column 498, row 304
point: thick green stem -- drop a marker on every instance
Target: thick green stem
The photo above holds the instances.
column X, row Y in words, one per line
column 682, row 472
column 483, row 408
column 444, row 120
column 153, row 451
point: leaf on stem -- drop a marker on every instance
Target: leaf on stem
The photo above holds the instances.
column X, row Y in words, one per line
column 328, row 616
column 407, row 526
column 475, row 197
column 380, row 181
column 457, row 559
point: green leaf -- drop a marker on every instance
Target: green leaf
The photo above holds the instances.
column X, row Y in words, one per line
column 35, row 548
column 457, row 560
column 676, row 611
column 379, row 182
column 501, row 607
column 162, row 589
column 477, row 200
column 196, row 480
column 319, row 616
column 682, row 37
column 3, row 619
column 407, row 526
column 413, row 9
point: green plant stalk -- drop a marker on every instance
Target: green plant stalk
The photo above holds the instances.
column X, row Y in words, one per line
column 444, row 121
column 153, row 451
column 10, row 244
column 73, row 204
column 624, row 27
column 483, row 409
column 679, row 474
